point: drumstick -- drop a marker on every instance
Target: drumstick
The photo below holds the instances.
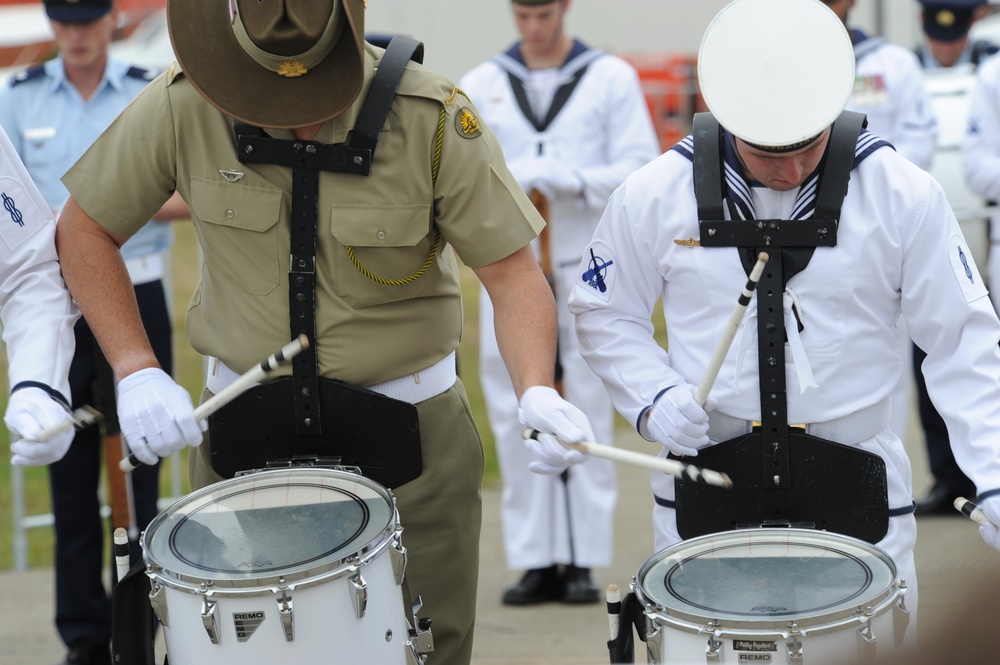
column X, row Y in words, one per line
column 81, row 418
column 671, row 467
column 972, row 511
column 122, row 560
column 614, row 601
column 243, row 383
column 729, row 333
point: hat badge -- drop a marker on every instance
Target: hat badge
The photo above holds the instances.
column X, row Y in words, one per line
column 292, row 69
column 945, row 18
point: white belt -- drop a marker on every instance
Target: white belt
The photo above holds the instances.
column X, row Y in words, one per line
column 412, row 388
column 145, row 269
column 849, row 430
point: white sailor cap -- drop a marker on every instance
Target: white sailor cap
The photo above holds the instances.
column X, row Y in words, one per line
column 776, row 73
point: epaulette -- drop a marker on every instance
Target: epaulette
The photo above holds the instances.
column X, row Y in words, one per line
column 174, row 72
column 27, row 75
column 140, row 73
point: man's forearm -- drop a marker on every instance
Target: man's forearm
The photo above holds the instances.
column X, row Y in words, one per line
column 524, row 316
column 96, row 277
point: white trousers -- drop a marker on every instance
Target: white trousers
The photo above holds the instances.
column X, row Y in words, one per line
column 540, row 526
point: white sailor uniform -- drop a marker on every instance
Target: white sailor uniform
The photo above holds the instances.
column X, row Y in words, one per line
column 604, row 132
column 899, row 252
column 37, row 312
column 981, row 156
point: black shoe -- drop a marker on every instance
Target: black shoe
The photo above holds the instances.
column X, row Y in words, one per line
column 539, row 585
column 580, row 587
column 87, row 653
column 941, row 498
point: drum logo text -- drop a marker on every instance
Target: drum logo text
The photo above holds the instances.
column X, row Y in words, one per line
column 246, row 624
column 754, row 645
column 755, row 658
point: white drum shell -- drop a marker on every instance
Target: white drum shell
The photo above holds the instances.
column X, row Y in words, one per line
column 326, row 629
column 847, row 634
column 323, row 599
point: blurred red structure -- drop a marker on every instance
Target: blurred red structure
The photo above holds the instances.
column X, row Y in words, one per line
column 24, row 39
column 670, row 83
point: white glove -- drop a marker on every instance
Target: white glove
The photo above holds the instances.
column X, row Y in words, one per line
column 29, row 411
column 678, row 422
column 991, row 532
column 548, row 175
column 156, row 415
column 542, row 409
column 558, row 179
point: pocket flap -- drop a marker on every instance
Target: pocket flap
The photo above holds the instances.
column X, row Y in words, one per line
column 237, row 205
column 380, row 225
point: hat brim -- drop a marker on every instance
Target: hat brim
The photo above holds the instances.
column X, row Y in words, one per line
column 776, row 72
column 68, row 14
column 219, row 69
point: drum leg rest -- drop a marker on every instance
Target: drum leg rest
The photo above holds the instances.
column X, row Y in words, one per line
column 900, row 615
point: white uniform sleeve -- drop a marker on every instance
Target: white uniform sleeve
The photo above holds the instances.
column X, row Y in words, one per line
column 631, row 138
column 37, row 311
column 981, row 146
column 613, row 304
column 949, row 315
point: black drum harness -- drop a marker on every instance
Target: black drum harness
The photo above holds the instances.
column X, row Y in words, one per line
column 781, row 475
column 333, row 422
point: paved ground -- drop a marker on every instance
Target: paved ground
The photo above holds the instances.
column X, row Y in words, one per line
column 954, row 565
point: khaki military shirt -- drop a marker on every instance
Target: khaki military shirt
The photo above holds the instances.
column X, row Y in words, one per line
column 368, row 330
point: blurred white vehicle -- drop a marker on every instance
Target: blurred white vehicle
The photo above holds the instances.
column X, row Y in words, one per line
column 148, row 46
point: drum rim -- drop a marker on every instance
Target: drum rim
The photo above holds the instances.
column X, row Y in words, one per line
column 677, row 617
column 317, row 574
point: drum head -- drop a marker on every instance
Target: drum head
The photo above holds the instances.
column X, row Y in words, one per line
column 284, row 523
column 766, row 575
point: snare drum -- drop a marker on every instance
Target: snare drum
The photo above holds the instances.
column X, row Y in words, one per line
column 299, row 565
column 770, row 596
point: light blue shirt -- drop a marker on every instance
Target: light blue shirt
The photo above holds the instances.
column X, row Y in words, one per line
column 51, row 126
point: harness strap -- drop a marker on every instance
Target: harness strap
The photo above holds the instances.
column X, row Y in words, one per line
column 307, row 159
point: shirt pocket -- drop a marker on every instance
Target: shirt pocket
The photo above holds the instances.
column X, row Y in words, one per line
column 43, row 147
column 239, row 232
column 390, row 245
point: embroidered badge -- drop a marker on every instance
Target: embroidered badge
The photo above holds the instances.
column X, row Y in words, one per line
column 964, row 268
column 10, row 207
column 26, row 210
column 690, row 242
column 467, row 124
column 291, row 69
column 231, row 175
column 598, row 275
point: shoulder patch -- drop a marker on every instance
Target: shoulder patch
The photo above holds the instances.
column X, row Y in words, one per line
column 467, row 124
column 38, row 71
column 20, row 216
column 140, row 73
column 599, row 274
column 965, row 269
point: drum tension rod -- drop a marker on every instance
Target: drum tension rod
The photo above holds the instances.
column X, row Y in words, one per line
column 287, row 615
